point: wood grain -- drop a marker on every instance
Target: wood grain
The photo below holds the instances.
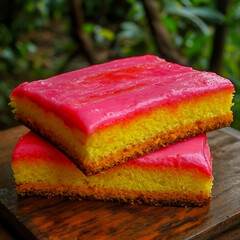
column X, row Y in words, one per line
column 36, row 218
column 231, row 234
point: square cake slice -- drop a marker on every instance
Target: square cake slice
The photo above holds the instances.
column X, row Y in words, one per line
column 179, row 175
column 109, row 113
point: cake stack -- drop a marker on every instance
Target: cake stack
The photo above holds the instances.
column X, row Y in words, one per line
column 131, row 130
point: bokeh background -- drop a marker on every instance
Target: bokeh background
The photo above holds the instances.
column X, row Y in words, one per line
column 41, row 38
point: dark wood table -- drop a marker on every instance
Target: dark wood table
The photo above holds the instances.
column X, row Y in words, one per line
column 37, row 218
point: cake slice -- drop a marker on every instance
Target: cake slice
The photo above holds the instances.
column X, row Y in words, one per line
column 180, row 174
column 109, row 113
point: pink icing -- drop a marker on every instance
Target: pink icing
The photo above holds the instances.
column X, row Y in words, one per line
column 193, row 153
column 103, row 94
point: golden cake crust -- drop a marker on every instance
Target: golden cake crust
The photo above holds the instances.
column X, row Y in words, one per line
column 123, row 196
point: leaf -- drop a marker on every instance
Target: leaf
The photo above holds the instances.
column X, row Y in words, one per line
column 136, row 12
column 194, row 43
column 236, row 111
column 7, row 54
column 197, row 2
column 88, row 28
column 102, row 34
column 179, row 10
column 208, row 14
column 170, row 24
column 107, row 34
column 236, row 83
column 130, row 30
column 234, row 36
column 31, row 48
column 22, row 49
column 131, row 1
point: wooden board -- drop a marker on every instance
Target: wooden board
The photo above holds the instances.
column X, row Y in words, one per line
column 36, row 218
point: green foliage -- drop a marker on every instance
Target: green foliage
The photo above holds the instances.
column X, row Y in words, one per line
column 36, row 40
column 23, row 53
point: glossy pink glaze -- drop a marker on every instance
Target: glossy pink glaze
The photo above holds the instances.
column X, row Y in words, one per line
column 101, row 95
column 193, row 153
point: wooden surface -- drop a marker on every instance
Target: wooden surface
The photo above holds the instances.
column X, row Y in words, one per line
column 63, row 219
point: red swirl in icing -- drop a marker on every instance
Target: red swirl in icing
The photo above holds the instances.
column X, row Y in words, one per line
column 101, row 95
column 191, row 154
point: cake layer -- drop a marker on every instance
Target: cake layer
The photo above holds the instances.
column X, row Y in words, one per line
column 100, row 95
column 137, row 137
column 177, row 175
column 107, row 114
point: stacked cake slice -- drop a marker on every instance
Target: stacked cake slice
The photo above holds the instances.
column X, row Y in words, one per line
column 177, row 175
column 106, row 117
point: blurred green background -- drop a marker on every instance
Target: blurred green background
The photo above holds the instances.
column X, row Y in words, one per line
column 42, row 38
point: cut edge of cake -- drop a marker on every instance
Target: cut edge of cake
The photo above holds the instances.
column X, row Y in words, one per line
column 41, row 170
